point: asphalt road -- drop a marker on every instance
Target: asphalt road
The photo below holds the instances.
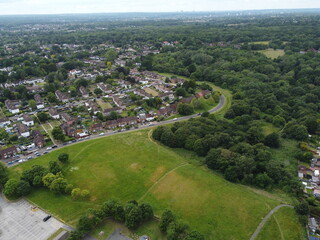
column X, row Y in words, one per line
column 255, row 234
column 222, row 102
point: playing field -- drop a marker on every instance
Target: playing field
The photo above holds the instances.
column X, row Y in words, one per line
column 271, row 53
column 132, row 166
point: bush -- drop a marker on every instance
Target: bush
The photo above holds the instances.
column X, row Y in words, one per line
column 75, row 193
column 85, row 194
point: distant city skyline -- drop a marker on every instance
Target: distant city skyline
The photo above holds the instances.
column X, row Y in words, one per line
column 8, row 7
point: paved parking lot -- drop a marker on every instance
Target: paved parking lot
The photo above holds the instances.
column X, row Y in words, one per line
column 22, row 221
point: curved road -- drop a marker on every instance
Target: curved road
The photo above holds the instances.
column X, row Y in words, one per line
column 255, row 234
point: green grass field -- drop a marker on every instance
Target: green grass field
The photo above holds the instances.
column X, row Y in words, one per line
column 283, row 225
column 151, row 91
column 271, row 53
column 132, row 166
column 103, row 104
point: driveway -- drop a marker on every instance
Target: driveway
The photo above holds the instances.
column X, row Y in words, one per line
column 22, row 221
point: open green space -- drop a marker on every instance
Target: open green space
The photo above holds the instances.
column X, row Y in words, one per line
column 103, row 104
column 151, row 91
column 132, row 166
column 283, row 225
column 271, row 53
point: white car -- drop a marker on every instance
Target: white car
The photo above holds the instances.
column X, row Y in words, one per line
column 49, row 148
column 175, row 119
column 101, row 134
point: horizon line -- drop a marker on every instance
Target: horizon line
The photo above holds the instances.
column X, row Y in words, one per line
column 163, row 12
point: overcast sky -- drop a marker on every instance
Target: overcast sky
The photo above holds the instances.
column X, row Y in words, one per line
column 107, row 6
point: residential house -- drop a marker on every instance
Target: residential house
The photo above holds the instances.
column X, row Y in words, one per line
column 34, row 89
column 84, row 92
column 176, row 81
column 4, row 122
column 39, row 101
column 38, row 139
column 54, row 113
column 106, row 88
column 118, row 101
column 168, row 95
column 313, row 225
column 67, row 118
column 63, row 97
column 27, row 120
column 142, row 93
column 68, row 130
column 97, row 127
column 203, row 93
column 93, row 106
column 12, row 106
column 8, row 152
column 23, row 130
column 187, row 99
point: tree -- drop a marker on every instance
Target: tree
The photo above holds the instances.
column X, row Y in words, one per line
column 63, row 157
column 57, row 133
column 32, row 104
column 166, row 218
column 185, row 109
column 22, row 189
column 3, row 174
column 111, row 55
column 272, row 140
column 48, row 179
column 302, row 208
column 194, row 235
column 10, row 187
column 42, row 116
column 263, row 180
column 4, row 135
column 54, row 167
column 97, row 91
column 134, row 218
column 58, row 185
column 177, row 231
column 147, row 211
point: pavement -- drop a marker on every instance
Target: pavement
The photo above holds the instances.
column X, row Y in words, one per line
column 220, row 105
column 255, row 234
column 21, row 220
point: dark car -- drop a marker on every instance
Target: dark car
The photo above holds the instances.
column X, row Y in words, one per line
column 47, row 218
column 54, row 146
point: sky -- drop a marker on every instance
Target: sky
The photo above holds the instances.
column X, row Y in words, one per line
column 110, row 6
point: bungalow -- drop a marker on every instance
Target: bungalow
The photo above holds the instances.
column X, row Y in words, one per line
column 84, row 92
column 39, row 101
column 27, row 120
column 61, row 96
column 8, row 152
column 23, row 130
column 176, row 81
column 54, row 113
column 142, row 93
column 4, row 122
column 38, row 139
column 12, row 106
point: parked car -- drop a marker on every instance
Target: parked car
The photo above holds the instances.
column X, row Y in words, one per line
column 101, row 134
column 54, row 146
column 47, row 218
column 45, row 152
column 49, row 148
